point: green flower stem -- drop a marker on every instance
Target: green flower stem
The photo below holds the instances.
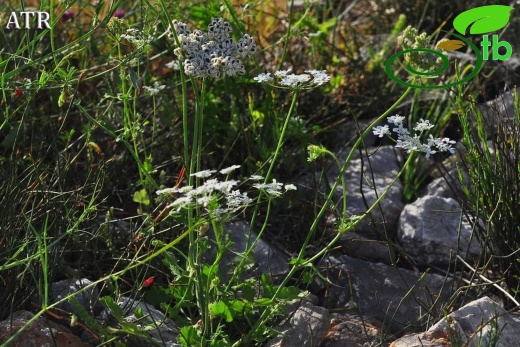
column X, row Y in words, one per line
column 344, row 167
column 288, row 35
column 266, row 180
column 195, row 165
column 282, row 135
column 249, row 248
column 299, row 263
column 343, row 185
column 360, row 219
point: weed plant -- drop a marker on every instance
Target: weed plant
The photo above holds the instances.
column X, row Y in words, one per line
column 170, row 120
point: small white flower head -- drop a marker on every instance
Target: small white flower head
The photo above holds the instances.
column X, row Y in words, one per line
column 273, row 192
column 236, row 200
column 423, row 125
column 401, row 131
column 185, row 189
column 272, row 189
column 381, row 130
column 396, row 120
column 256, row 178
column 444, row 145
column 225, row 186
column 319, row 77
column 290, row 187
column 230, row 169
column 263, row 78
column 155, row 89
column 136, row 38
column 284, row 79
column 204, row 200
column 203, row 173
column 166, row 191
column 281, row 73
column 180, row 203
column 233, row 66
column 294, row 81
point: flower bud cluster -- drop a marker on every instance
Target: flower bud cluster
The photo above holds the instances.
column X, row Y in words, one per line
column 212, row 54
column 423, row 61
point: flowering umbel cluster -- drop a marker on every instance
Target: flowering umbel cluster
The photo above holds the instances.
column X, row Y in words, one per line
column 285, row 79
column 413, row 143
column 220, row 198
column 212, row 54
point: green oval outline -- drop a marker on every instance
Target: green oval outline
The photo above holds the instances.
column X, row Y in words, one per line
column 478, row 65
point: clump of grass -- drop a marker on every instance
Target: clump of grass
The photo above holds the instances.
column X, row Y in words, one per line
column 492, row 160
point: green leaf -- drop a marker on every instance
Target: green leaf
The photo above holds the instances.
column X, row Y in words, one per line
column 325, row 26
column 61, row 99
column 114, row 308
column 43, row 79
column 263, row 302
column 147, row 166
column 138, row 312
column 249, row 292
column 189, row 336
column 289, row 293
column 269, row 288
column 240, row 307
column 141, row 197
column 221, row 309
column 483, row 19
column 133, row 78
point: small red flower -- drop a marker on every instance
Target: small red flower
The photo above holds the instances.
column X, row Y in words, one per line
column 148, row 282
column 119, row 13
column 67, row 15
column 18, row 92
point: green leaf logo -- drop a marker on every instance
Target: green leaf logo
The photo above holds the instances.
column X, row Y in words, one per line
column 482, row 20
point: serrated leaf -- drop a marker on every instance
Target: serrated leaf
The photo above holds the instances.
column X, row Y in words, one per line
column 483, row 19
column 450, row 45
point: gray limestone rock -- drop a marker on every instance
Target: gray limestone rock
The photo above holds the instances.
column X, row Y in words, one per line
column 397, row 297
column 432, row 231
